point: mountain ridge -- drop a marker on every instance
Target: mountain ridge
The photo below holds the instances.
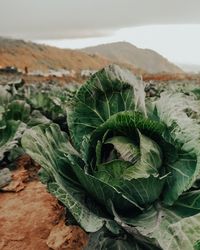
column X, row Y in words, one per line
column 125, row 52
column 21, row 54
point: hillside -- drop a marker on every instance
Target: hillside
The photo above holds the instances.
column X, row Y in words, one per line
column 19, row 53
column 36, row 57
column 125, row 52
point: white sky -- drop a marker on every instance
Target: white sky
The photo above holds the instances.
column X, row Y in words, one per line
column 178, row 43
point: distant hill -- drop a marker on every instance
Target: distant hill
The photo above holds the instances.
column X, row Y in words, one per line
column 36, row 57
column 125, row 52
column 19, row 53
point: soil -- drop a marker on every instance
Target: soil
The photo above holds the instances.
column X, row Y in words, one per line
column 32, row 219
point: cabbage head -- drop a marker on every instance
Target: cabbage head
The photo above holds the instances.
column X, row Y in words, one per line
column 128, row 172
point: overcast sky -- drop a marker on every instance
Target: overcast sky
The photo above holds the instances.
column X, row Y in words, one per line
column 88, row 22
column 178, row 43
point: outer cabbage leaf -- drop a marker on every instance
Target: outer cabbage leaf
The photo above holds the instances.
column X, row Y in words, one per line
column 36, row 140
column 18, row 110
column 51, row 101
column 37, row 118
column 175, row 227
column 102, row 191
column 103, row 239
column 107, row 92
column 9, row 136
column 48, row 146
column 75, row 199
column 184, row 134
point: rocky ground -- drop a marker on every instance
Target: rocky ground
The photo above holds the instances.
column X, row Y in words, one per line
column 30, row 218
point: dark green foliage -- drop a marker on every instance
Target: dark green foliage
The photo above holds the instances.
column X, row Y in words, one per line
column 128, row 171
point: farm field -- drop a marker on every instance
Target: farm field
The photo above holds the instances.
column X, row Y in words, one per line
column 112, row 162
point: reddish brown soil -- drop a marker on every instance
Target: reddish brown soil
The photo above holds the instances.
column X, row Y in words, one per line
column 27, row 217
column 168, row 77
column 32, row 219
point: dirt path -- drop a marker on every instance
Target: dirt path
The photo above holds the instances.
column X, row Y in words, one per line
column 31, row 218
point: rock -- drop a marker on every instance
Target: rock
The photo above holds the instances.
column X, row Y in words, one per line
column 18, row 183
column 26, row 170
column 67, row 237
column 5, row 177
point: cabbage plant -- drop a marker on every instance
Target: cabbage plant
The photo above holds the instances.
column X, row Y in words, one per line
column 128, row 173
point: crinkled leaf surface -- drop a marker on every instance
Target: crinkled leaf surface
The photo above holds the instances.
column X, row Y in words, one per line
column 125, row 147
column 9, row 135
column 102, row 191
column 150, row 160
column 188, row 203
column 37, row 118
column 184, row 134
column 49, row 147
column 124, row 123
column 176, row 227
column 18, row 110
column 102, row 240
column 142, row 191
column 107, row 92
column 74, row 198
